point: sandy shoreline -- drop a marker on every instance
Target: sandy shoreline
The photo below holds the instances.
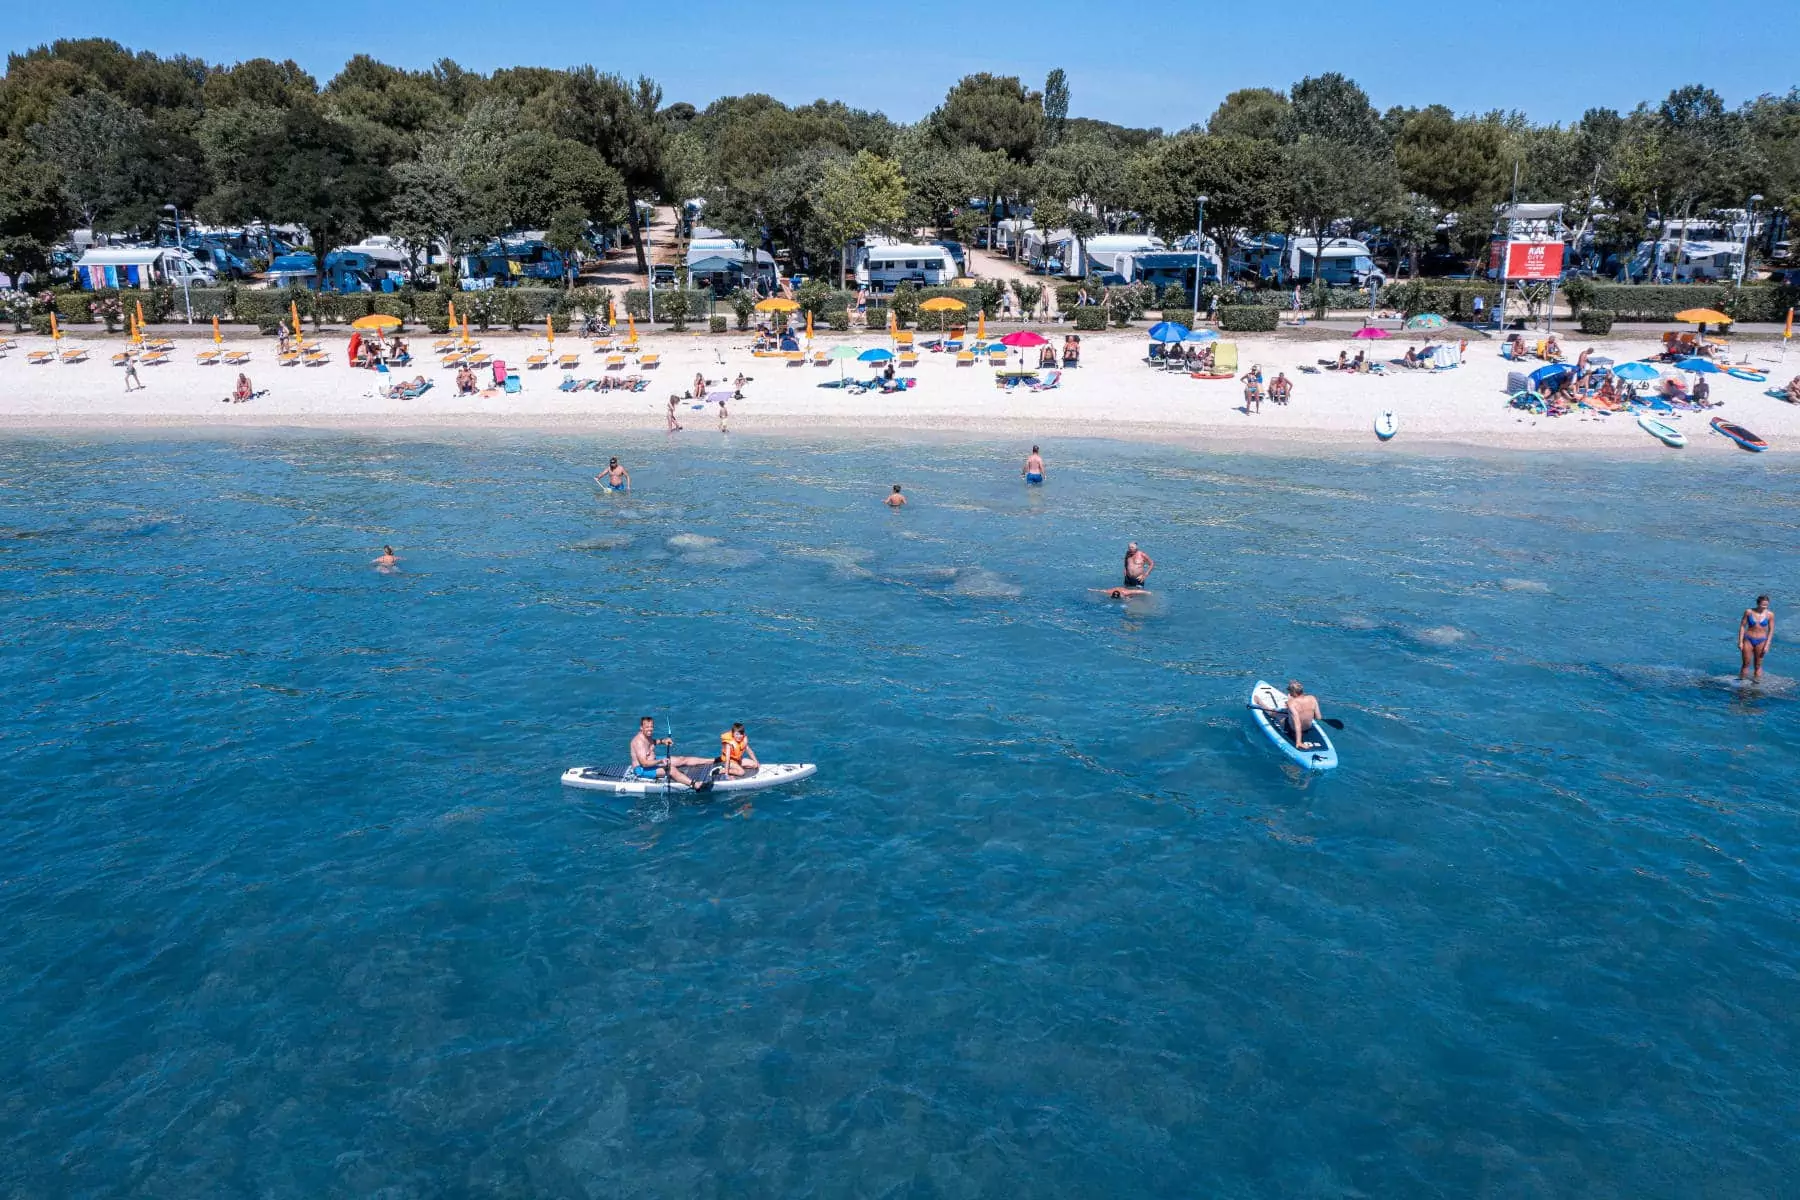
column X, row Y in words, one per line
column 1112, row 395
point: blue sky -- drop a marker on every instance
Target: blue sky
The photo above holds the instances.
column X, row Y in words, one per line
column 1551, row 61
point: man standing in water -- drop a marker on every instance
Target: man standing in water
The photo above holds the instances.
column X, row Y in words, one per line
column 1756, row 633
column 1138, row 566
column 895, row 499
column 648, row 765
column 1033, row 470
column 616, row 479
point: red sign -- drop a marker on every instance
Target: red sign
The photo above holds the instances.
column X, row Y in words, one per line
column 1534, row 260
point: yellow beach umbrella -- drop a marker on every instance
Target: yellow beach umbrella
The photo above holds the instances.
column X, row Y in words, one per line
column 809, row 325
column 549, row 330
column 465, row 332
column 942, row 304
column 776, row 304
column 218, row 338
column 376, row 322
column 612, row 312
column 55, row 333
column 138, row 336
column 451, row 326
column 981, row 326
column 631, row 324
column 294, row 315
column 893, row 325
column 1703, row 316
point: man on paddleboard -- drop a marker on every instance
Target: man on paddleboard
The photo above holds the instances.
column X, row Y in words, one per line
column 616, row 479
column 647, row 764
column 1300, row 715
column 1138, row 566
column 1034, row 467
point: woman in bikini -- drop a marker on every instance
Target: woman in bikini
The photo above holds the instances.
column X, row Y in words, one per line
column 1756, row 630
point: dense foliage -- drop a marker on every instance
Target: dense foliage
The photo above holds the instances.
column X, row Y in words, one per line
column 93, row 135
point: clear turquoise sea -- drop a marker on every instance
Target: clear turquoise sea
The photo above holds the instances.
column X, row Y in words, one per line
column 294, row 905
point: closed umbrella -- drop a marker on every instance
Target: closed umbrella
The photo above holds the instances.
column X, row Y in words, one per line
column 55, row 333
column 218, row 338
column 809, row 317
column 981, row 326
column 294, row 317
column 465, row 331
column 1168, row 331
column 1637, row 372
column 452, row 324
column 549, row 330
column 138, row 335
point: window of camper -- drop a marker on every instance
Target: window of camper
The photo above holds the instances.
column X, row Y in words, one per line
column 912, row 264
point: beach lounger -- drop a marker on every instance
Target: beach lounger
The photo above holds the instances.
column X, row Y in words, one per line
column 313, row 360
column 535, row 361
column 1050, row 380
column 208, row 358
column 908, row 359
column 602, row 345
column 615, row 362
column 237, row 358
column 443, row 344
column 649, row 360
column 158, row 359
column 796, row 358
column 820, row 359
column 965, row 358
column 477, row 360
column 290, row 359
column 38, row 357
column 74, row 356
column 120, row 359
column 569, row 362
column 996, row 358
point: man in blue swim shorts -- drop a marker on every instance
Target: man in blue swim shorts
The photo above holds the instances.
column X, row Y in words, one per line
column 1034, row 467
column 616, row 479
column 648, row 765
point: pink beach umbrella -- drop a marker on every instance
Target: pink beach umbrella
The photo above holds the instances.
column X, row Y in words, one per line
column 1370, row 333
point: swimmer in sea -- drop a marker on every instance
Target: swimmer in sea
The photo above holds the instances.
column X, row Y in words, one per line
column 388, row 560
column 616, row 479
column 1033, row 470
column 895, row 499
column 1756, row 632
column 1138, row 566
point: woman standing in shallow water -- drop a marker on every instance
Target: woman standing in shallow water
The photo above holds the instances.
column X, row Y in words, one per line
column 1756, row 631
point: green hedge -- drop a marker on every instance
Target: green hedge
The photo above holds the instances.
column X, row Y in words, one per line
column 1596, row 322
column 1661, row 301
column 1090, row 318
column 717, row 322
column 637, row 303
column 1451, row 298
column 1247, row 318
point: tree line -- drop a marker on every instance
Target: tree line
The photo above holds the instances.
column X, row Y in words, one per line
column 95, row 136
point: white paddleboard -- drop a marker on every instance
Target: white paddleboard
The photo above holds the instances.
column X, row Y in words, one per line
column 620, row 781
column 1668, row 435
column 1386, row 426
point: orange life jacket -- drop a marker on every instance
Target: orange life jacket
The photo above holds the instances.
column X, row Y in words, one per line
column 733, row 745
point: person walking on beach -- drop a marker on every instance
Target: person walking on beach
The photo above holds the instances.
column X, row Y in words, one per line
column 1756, row 633
column 724, row 417
column 674, row 425
column 132, row 382
column 895, row 499
column 1138, row 566
column 616, row 478
column 1033, row 470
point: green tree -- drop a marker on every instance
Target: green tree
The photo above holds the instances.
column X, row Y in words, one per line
column 95, row 139
column 1331, row 180
column 568, row 233
column 1245, row 182
column 1461, row 166
column 316, row 177
column 1256, row 113
column 619, row 119
column 34, row 212
column 992, row 112
column 858, row 195
column 1332, row 108
column 1056, row 107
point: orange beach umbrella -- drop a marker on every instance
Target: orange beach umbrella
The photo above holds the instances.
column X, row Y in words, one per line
column 139, row 335
column 218, row 338
column 631, row 324
column 981, row 326
column 452, row 323
column 294, row 315
column 1787, row 331
column 465, row 332
column 55, row 333
column 809, row 324
column 549, row 330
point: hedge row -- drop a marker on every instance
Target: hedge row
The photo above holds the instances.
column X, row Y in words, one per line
column 516, row 307
column 1661, row 301
column 1451, row 298
column 1247, row 318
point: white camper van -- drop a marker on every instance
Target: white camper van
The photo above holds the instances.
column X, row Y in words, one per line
column 885, row 267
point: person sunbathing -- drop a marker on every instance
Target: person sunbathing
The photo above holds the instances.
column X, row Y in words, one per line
column 1411, row 361
column 1280, row 388
column 1515, row 347
column 1793, row 390
column 1552, row 351
column 465, row 382
column 243, row 391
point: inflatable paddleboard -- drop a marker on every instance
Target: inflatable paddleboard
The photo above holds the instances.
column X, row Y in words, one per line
column 620, row 781
column 1668, row 435
column 1386, row 426
column 1318, row 754
column 1739, row 434
column 1746, row 373
column 1198, row 375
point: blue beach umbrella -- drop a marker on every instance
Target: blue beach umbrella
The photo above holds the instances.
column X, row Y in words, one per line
column 1698, row 365
column 876, row 355
column 1637, row 372
column 1201, row 335
column 1167, row 331
column 1551, row 375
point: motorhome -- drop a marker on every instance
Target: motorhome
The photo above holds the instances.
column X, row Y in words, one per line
column 345, row 271
column 1693, row 250
column 884, row 267
column 140, row 267
column 1340, row 261
column 1109, row 254
column 514, row 258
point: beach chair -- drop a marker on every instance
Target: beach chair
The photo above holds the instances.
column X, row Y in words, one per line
column 821, row 359
column 120, row 359
column 796, row 358
column 602, row 345
column 996, row 356
column 965, row 358
column 477, row 360
column 649, row 360
column 537, row 361
column 568, row 362
column 314, row 358
column 208, row 358
column 158, row 359
column 39, row 357
column 615, row 362
column 237, row 358
column 908, row 359
column 74, row 356
column 443, row 344
column 1051, row 379
column 903, row 337
column 290, row 358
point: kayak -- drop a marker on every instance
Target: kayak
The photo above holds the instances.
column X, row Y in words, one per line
column 1739, row 434
column 1668, row 435
column 621, row 782
column 1386, row 426
column 1753, row 376
column 1319, row 754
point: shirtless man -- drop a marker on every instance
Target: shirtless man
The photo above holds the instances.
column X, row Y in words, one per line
column 647, row 764
column 1300, row 715
column 1138, row 566
column 1033, row 470
column 735, row 752
column 616, row 479
column 388, row 560
column 674, row 425
column 895, row 499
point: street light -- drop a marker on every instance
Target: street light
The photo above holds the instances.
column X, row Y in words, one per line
column 186, row 300
column 1744, row 259
column 1199, row 222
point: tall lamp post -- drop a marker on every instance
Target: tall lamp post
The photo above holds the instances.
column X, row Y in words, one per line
column 186, row 300
column 1199, row 241
column 1749, row 231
